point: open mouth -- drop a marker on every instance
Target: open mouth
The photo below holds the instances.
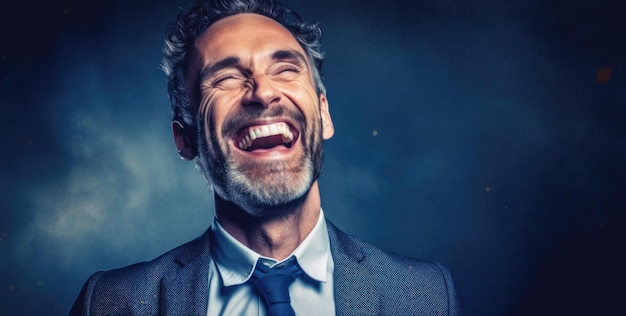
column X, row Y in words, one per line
column 266, row 137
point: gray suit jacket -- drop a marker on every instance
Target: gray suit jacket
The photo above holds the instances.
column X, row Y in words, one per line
column 368, row 281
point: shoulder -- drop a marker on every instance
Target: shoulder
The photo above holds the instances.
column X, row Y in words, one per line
column 382, row 262
column 398, row 284
column 134, row 289
column 146, row 273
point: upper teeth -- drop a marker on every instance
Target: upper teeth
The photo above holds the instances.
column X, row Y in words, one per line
column 265, row 131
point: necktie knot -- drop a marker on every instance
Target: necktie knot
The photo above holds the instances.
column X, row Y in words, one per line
column 273, row 285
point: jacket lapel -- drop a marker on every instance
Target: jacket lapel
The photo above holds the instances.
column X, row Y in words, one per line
column 354, row 292
column 184, row 291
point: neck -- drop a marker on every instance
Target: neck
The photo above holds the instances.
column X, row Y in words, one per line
column 272, row 236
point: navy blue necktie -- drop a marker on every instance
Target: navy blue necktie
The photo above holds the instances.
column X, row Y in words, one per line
column 273, row 285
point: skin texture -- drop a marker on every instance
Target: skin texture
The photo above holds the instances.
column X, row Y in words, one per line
column 246, row 71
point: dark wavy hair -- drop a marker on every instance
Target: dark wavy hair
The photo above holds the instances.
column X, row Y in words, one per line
column 181, row 35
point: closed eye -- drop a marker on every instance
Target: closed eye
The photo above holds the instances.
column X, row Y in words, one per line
column 287, row 71
column 228, row 81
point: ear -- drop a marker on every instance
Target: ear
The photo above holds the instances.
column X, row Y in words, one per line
column 186, row 148
column 328, row 130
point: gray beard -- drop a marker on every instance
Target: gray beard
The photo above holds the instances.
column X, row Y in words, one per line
column 275, row 196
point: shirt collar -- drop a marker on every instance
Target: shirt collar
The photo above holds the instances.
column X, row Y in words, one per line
column 235, row 262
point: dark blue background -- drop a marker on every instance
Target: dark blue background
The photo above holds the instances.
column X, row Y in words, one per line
column 488, row 135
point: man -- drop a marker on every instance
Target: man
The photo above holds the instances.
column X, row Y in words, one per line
column 250, row 107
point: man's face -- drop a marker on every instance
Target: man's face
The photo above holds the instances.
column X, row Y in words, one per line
column 261, row 120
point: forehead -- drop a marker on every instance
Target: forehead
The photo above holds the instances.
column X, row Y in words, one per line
column 241, row 34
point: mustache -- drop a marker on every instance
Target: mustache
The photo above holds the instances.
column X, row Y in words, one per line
column 252, row 113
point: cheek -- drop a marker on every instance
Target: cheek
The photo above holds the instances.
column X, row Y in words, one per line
column 214, row 109
column 209, row 112
column 304, row 97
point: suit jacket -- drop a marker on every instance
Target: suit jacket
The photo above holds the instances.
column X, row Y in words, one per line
column 368, row 281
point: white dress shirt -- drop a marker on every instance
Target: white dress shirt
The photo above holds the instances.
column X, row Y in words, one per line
column 232, row 264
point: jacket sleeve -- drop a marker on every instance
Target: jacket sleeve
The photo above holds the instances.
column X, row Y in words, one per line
column 82, row 304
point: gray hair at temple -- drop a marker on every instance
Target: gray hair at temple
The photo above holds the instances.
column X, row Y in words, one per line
column 181, row 35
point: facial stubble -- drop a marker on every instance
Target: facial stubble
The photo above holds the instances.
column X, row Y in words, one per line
column 261, row 189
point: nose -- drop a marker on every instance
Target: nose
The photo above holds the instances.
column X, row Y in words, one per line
column 262, row 92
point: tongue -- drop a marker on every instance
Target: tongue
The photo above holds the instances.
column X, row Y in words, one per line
column 266, row 142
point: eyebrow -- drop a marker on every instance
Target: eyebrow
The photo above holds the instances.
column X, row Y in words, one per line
column 289, row 55
column 210, row 69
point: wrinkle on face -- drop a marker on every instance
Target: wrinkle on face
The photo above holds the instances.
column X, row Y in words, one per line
column 263, row 75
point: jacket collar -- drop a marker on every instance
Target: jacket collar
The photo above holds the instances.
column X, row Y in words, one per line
column 353, row 293
column 184, row 291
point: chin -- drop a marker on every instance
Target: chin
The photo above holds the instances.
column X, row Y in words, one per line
column 272, row 191
column 271, row 196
